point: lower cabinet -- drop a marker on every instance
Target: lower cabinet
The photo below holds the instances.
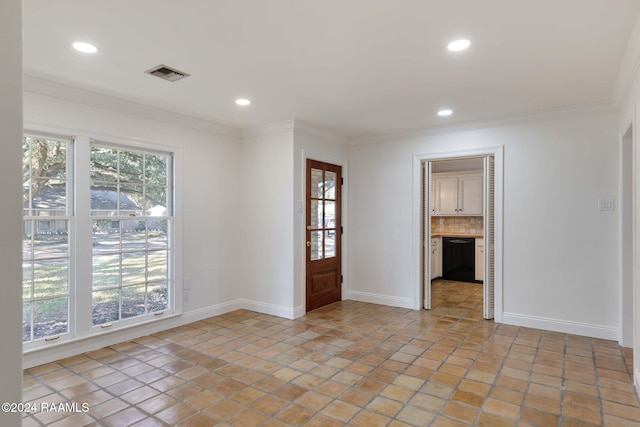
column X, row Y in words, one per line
column 436, row 257
column 479, row 259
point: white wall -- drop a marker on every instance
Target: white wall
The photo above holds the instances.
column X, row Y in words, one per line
column 10, row 226
column 266, row 255
column 209, row 201
column 560, row 253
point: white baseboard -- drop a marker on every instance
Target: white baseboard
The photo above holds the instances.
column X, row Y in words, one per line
column 564, row 326
column 380, row 299
column 272, row 309
column 636, row 378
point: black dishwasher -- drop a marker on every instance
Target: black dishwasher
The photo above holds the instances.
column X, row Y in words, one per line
column 458, row 259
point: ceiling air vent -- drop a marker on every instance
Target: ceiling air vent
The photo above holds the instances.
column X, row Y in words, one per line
column 167, row 73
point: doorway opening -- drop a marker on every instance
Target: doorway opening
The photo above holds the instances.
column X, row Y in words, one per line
column 460, row 198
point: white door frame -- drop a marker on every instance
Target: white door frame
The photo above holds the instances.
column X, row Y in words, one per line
column 498, row 153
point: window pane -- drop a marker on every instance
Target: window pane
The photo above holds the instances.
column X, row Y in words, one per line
column 131, row 167
column 134, row 236
column 157, row 269
column 27, row 247
column 50, row 278
column 27, row 280
column 157, row 232
column 106, row 271
column 48, row 197
column 50, row 317
column 155, row 203
column 48, row 159
column 53, row 243
column 106, row 236
column 106, row 306
column 330, row 182
column 316, row 245
column 133, row 268
column 131, row 198
column 317, row 184
column 133, row 301
column 104, row 199
column 157, row 297
column 26, row 322
column 104, row 165
column 155, row 170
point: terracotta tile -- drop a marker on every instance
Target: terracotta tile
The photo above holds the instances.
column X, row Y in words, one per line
column 203, row 399
column 124, row 418
column 247, row 418
column 385, row 406
column 295, row 414
column 468, row 398
column 198, row 420
column 270, row 404
column 502, row 408
column 340, row 410
column 157, row 404
column 581, row 413
column 491, row 420
column 224, row 409
column 368, row 419
column 538, row 418
column 460, row 412
column 621, row 411
column 397, row 393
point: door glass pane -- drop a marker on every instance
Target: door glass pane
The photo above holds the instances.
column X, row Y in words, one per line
column 330, row 182
column 133, row 301
column 50, row 317
column 330, row 244
column 106, row 271
column 315, row 216
column 317, row 184
column 106, row 305
column 329, row 214
column 316, row 245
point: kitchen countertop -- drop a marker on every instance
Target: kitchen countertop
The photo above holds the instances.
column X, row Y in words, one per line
column 468, row 236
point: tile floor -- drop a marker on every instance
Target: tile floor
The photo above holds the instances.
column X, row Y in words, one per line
column 350, row 363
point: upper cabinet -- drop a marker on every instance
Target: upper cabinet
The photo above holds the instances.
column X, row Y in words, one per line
column 456, row 194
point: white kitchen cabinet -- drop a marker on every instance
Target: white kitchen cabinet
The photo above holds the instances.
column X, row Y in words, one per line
column 456, row 194
column 479, row 259
column 436, row 257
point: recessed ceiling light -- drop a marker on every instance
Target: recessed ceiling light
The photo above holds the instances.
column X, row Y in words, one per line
column 458, row 45
column 243, row 101
column 85, row 47
column 445, row 112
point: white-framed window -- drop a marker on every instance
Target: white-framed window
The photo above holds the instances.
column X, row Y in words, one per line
column 98, row 238
column 47, row 221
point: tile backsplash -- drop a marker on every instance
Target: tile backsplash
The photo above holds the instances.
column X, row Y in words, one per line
column 457, row 224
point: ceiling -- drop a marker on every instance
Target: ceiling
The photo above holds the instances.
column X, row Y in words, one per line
column 357, row 67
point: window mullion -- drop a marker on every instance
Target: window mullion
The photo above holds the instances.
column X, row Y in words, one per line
column 82, row 247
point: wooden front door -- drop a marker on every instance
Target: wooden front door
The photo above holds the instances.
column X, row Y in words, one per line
column 324, row 230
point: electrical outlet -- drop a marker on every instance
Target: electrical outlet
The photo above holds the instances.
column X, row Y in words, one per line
column 186, row 295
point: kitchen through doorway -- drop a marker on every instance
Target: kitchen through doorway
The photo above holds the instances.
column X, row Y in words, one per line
column 458, row 230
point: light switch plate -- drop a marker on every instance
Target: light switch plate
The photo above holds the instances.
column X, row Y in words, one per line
column 605, row 205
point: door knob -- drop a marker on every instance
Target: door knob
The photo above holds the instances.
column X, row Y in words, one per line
column 308, row 244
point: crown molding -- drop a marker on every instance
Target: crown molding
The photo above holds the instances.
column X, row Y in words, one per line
column 629, row 67
column 69, row 93
column 319, row 132
column 592, row 109
column 277, row 127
